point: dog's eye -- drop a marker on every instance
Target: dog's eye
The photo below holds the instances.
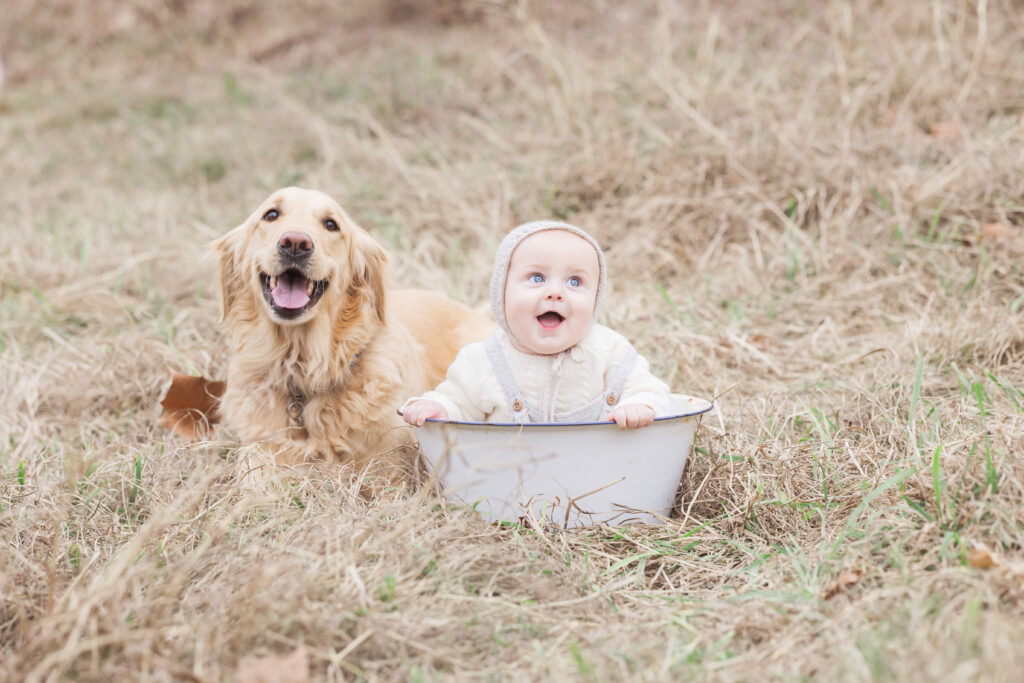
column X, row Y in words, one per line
column 271, row 216
column 331, row 225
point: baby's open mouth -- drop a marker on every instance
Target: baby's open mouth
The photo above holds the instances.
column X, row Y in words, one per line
column 550, row 320
column 291, row 293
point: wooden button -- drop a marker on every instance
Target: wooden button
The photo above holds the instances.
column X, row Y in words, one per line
column 517, row 405
column 610, row 400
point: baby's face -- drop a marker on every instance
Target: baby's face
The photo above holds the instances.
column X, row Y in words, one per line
column 551, row 291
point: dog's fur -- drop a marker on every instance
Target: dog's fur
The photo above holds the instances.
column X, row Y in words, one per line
column 348, row 358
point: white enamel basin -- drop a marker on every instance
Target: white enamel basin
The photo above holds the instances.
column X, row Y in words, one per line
column 569, row 474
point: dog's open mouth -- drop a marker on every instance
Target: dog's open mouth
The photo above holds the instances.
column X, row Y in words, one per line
column 291, row 293
column 550, row 320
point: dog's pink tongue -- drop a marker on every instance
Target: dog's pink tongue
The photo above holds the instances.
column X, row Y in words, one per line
column 290, row 292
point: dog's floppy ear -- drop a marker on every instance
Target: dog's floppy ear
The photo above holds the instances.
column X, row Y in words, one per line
column 369, row 262
column 228, row 250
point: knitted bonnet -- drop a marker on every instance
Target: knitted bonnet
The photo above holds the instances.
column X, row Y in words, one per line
column 504, row 257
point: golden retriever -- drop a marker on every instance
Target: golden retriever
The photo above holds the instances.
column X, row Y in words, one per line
column 322, row 353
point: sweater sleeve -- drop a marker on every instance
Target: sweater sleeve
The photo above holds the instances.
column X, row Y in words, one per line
column 643, row 387
column 461, row 393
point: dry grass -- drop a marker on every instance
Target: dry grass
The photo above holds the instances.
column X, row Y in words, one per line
column 797, row 199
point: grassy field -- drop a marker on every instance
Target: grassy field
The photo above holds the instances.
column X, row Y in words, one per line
column 813, row 213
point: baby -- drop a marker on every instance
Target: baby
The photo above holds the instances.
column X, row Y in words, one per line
column 550, row 361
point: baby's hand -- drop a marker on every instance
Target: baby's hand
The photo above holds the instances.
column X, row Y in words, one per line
column 417, row 412
column 632, row 416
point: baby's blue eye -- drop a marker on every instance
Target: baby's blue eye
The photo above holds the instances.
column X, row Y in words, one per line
column 575, row 282
column 536, row 277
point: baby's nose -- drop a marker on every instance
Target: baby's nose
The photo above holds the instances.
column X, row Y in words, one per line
column 554, row 292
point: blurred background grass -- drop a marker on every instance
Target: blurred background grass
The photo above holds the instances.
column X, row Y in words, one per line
column 812, row 211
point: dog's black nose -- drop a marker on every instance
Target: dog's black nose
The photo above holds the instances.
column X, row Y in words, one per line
column 295, row 244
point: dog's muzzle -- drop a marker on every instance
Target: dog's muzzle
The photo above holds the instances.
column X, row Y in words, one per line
column 291, row 293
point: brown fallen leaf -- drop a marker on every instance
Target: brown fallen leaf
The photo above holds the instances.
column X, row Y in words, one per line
column 762, row 341
column 945, row 129
column 845, row 579
column 980, row 557
column 291, row 669
column 191, row 405
column 995, row 232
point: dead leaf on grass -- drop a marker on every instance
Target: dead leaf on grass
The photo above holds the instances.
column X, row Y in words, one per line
column 291, row 669
column 947, row 129
column 845, row 579
column 191, row 405
column 995, row 232
column 762, row 341
column 980, row 557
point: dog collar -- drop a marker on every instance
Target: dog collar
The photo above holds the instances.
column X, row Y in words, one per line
column 296, row 407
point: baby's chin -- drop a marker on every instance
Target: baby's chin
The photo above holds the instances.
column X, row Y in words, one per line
column 541, row 349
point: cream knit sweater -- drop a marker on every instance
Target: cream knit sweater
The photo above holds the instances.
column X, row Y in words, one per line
column 557, row 383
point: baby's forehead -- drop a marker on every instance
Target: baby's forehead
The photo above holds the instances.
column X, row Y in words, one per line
column 548, row 245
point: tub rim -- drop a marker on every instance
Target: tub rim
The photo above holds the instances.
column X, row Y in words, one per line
column 702, row 407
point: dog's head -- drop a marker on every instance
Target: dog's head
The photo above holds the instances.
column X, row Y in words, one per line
column 297, row 255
